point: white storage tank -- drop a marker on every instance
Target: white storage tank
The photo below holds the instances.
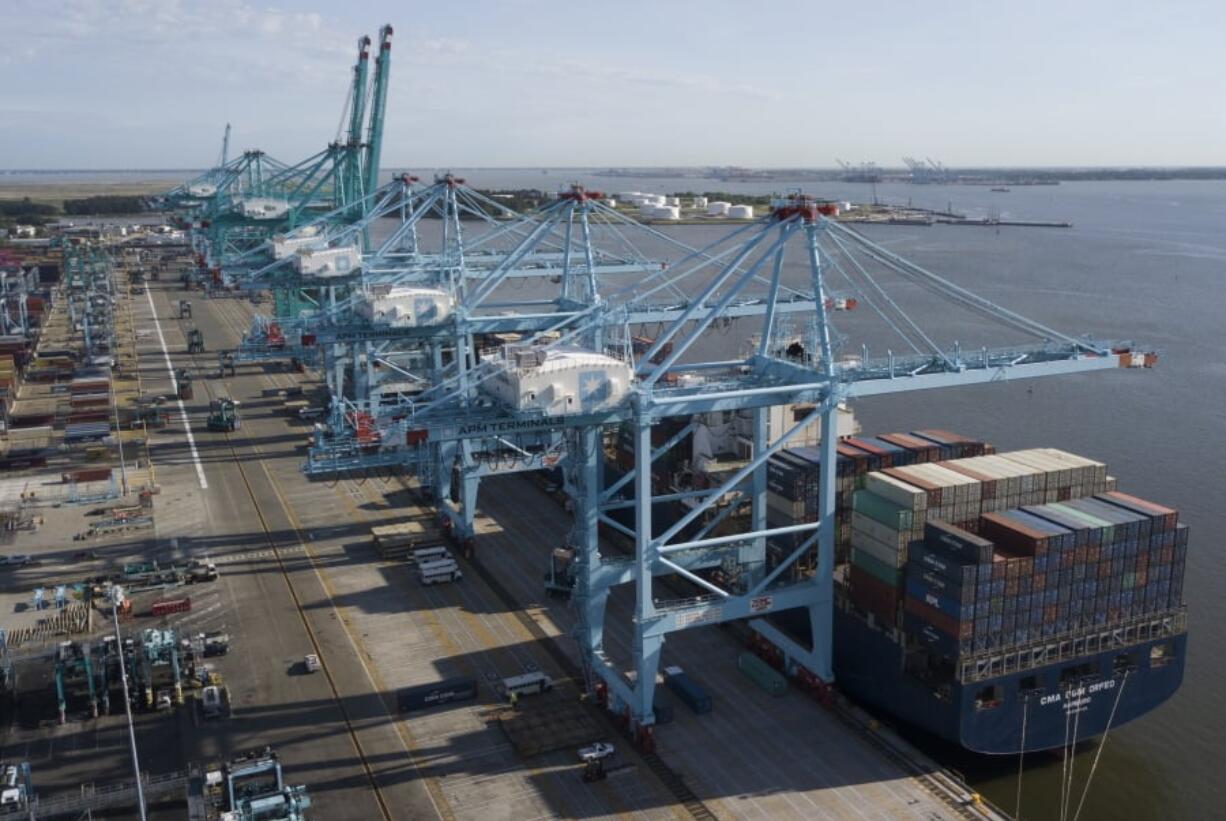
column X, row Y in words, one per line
column 558, row 381
column 629, row 196
column 263, row 208
column 612, row 203
column 673, row 201
column 700, row 202
column 328, row 262
column 741, row 212
column 719, row 208
column 667, row 212
column 404, row 307
column 647, row 211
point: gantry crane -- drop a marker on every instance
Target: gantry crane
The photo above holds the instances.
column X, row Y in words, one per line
column 238, row 206
column 573, row 386
column 568, row 272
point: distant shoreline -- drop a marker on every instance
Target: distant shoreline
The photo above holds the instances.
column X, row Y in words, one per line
column 968, row 175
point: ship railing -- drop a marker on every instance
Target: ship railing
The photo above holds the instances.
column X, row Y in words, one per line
column 1074, row 644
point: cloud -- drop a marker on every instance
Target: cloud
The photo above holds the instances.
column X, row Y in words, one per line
column 160, row 33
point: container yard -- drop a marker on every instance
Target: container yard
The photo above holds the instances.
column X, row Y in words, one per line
column 350, row 495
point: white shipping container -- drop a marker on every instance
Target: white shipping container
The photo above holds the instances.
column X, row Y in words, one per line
column 896, row 490
column 889, row 554
column 867, row 526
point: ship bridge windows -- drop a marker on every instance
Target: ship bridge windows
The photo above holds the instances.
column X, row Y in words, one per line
column 989, row 697
column 1161, row 654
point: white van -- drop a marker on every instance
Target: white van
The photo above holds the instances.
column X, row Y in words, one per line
column 439, row 571
column 528, row 684
column 212, row 701
column 434, row 553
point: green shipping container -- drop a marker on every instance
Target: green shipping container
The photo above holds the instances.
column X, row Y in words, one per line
column 882, row 510
column 883, row 572
column 762, row 674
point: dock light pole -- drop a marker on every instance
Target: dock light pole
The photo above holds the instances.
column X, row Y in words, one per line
column 127, row 703
column 123, row 466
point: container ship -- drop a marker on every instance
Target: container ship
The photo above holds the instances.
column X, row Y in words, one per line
column 1008, row 603
column 1005, row 602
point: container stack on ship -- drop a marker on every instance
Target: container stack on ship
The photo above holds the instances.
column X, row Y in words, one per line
column 1005, row 602
column 792, row 479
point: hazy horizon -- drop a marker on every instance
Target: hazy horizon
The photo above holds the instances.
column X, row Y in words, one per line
column 150, row 84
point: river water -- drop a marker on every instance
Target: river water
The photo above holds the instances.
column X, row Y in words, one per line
column 1144, row 261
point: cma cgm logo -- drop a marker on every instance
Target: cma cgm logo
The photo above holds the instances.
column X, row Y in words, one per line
column 593, row 388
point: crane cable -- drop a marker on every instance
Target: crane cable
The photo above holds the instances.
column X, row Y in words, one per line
column 1064, row 762
column 1021, row 757
column 1068, row 794
column 1101, row 744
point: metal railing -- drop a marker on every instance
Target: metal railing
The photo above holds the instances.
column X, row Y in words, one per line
column 1072, row 645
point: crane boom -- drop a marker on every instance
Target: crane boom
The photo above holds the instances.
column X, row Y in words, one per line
column 378, row 103
column 225, row 147
column 357, row 110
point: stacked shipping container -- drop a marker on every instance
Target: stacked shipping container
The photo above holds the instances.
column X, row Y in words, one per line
column 1041, row 571
column 792, row 477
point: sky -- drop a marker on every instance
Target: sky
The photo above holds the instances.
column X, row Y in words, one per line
column 575, row 83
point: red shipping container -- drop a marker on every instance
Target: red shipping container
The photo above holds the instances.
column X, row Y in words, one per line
column 873, row 595
column 86, row 475
column 165, row 607
column 924, row 451
column 942, row 621
column 1011, row 535
column 1170, row 516
column 933, row 491
column 885, row 457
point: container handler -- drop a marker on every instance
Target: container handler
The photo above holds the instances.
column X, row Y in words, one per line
column 223, row 415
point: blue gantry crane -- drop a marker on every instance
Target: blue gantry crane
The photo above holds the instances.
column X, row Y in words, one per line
column 574, row 376
column 430, row 327
column 512, row 348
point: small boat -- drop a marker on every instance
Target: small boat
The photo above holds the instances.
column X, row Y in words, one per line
column 1001, row 190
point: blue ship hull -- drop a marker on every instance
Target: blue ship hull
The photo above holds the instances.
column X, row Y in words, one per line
column 870, row 668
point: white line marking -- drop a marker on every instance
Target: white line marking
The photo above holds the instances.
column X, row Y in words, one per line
column 174, row 386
